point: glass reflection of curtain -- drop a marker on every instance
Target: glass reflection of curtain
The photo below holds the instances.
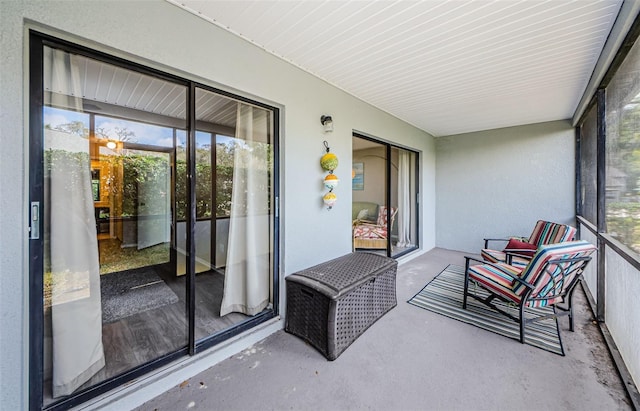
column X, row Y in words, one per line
column 246, row 284
column 76, row 314
column 404, row 199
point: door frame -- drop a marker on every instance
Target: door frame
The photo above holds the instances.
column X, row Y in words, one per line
column 388, row 146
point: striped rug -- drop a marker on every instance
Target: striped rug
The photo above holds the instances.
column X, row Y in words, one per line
column 443, row 295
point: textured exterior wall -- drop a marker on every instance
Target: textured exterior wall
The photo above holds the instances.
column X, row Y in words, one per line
column 161, row 35
column 500, row 182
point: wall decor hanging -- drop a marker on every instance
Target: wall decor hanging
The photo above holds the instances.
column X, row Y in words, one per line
column 329, row 162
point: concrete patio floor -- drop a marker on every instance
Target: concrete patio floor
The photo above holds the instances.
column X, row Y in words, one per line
column 412, row 359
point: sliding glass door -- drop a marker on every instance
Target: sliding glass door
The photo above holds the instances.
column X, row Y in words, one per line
column 153, row 227
column 384, row 193
column 233, row 229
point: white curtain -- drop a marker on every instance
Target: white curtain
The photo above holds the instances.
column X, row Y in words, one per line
column 246, row 283
column 404, row 199
column 76, row 313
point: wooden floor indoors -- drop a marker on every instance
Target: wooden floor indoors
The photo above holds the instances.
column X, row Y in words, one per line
column 148, row 335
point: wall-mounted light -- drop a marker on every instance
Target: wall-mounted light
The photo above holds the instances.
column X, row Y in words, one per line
column 111, row 144
column 327, row 122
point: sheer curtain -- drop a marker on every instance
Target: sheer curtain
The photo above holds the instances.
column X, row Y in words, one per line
column 404, row 199
column 246, row 283
column 76, row 313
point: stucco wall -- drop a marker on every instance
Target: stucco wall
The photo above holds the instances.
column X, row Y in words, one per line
column 500, row 182
column 163, row 36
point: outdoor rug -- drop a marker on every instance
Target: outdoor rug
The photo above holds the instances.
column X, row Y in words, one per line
column 443, row 295
column 126, row 293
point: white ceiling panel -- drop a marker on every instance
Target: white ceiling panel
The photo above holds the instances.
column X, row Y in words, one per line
column 447, row 67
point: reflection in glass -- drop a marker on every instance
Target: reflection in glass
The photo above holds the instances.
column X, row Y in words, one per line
column 111, row 302
column 234, row 260
column 118, row 183
column 379, row 227
column 371, row 221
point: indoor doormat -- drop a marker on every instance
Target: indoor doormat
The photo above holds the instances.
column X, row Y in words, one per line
column 126, row 293
column 443, row 295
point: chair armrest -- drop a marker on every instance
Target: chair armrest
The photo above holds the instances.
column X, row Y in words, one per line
column 469, row 258
column 513, row 252
column 486, row 241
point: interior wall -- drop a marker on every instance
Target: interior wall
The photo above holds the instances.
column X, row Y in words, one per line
column 375, row 169
column 161, row 35
column 374, row 163
column 498, row 183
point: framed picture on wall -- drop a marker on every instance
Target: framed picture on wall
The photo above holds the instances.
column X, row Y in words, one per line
column 358, row 176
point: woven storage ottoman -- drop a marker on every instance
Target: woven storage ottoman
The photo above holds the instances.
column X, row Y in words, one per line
column 333, row 303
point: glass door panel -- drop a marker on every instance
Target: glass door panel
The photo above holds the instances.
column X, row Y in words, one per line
column 111, row 301
column 234, row 168
column 384, row 209
column 369, row 207
column 202, row 233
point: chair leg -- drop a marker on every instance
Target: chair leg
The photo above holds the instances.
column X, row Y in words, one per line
column 522, row 323
column 466, row 284
column 570, row 308
column 571, row 311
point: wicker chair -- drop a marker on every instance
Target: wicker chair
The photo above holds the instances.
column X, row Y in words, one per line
column 369, row 235
column 549, row 279
column 519, row 250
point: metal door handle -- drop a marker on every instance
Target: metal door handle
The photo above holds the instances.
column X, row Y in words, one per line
column 34, row 221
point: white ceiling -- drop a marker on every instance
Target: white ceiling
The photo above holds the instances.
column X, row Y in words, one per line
column 447, row 67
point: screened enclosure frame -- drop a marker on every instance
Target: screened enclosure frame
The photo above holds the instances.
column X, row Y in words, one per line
column 598, row 228
column 37, row 43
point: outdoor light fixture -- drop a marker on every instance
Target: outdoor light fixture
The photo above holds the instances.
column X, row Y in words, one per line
column 111, row 144
column 327, row 122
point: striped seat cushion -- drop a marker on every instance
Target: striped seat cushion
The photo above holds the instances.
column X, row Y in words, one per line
column 498, row 283
column 544, row 302
column 537, row 272
column 536, row 268
column 546, row 232
column 496, row 278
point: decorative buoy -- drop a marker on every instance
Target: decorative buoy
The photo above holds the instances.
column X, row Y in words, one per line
column 329, row 162
column 331, row 181
column 330, row 199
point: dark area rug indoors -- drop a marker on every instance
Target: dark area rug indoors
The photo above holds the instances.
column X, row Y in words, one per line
column 126, row 293
column 443, row 295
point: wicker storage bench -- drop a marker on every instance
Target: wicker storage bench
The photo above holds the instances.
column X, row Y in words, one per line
column 333, row 303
